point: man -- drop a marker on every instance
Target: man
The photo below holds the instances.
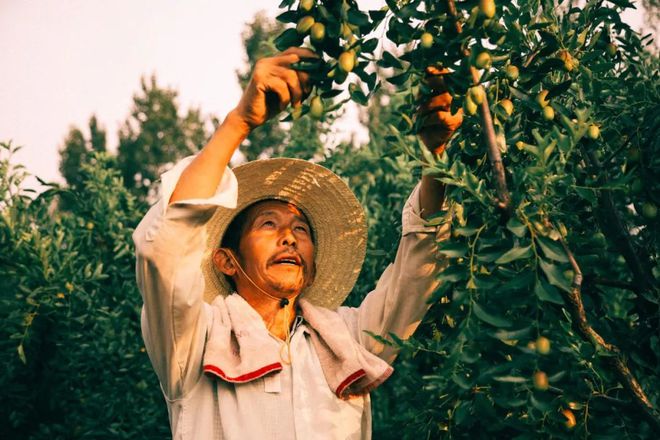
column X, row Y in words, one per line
column 275, row 246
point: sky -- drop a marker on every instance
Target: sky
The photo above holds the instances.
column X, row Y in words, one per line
column 64, row 60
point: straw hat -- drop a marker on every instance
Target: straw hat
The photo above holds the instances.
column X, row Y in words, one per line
column 335, row 215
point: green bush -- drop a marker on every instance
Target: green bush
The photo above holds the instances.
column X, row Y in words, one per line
column 74, row 362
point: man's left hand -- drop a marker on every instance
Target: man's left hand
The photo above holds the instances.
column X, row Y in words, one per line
column 438, row 124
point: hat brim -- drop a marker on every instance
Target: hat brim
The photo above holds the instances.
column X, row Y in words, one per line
column 335, row 215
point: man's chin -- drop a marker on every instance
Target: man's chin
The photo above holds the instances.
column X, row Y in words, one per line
column 288, row 288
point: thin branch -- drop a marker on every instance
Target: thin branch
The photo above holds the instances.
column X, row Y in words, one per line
column 615, row 360
column 636, row 258
column 611, row 283
column 494, row 156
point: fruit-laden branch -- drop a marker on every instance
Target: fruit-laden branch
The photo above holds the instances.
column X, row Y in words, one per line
column 504, row 199
column 637, row 260
column 614, row 358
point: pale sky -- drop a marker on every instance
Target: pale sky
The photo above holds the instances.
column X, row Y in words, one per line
column 63, row 60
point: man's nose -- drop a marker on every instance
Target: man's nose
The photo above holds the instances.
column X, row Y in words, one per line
column 287, row 237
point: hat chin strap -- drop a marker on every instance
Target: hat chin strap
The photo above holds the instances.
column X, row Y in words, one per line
column 283, row 301
column 288, row 359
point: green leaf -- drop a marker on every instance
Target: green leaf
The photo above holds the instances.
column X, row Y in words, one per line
column 453, row 249
column 288, row 38
column 514, row 225
column 369, row 45
column 288, row 17
column 510, row 335
column 389, row 60
column 465, row 231
column 400, row 79
column 552, row 250
column 510, row 379
column 515, row 254
column 554, row 275
column 545, row 292
column 461, row 382
column 21, row 354
column 489, row 318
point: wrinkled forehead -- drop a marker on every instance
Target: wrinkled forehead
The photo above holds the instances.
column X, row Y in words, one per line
column 269, row 206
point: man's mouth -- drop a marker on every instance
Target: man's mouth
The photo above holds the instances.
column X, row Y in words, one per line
column 288, row 259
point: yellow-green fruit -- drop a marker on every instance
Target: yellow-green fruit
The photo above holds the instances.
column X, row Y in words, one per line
column 487, row 8
column 296, row 112
column 542, row 345
column 541, row 100
column 649, row 210
column 469, row 106
column 507, row 106
column 347, row 61
column 477, row 94
column 636, row 186
column 548, row 113
column 593, row 131
column 426, row 40
column 541, row 381
column 306, row 5
column 318, row 32
column 599, row 240
column 512, row 72
column 482, row 60
column 305, row 24
column 610, row 49
column 316, row 107
column 346, row 31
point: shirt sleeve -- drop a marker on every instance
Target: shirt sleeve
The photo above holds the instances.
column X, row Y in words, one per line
column 400, row 299
column 169, row 246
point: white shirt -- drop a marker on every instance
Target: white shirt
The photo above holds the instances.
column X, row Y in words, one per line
column 295, row 403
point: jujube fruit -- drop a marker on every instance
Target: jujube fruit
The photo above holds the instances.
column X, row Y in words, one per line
column 347, row 61
column 426, row 40
column 487, row 8
column 316, row 107
column 305, row 24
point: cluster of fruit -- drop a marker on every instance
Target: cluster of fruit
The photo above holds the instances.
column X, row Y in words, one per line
column 334, row 30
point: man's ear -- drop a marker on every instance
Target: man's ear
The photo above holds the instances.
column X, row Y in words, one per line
column 223, row 261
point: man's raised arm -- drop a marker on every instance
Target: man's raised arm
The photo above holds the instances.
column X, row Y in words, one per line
column 271, row 76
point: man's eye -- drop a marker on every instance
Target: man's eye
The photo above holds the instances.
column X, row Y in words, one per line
column 301, row 228
column 268, row 223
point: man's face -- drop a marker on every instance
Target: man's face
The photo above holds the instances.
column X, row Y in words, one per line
column 276, row 249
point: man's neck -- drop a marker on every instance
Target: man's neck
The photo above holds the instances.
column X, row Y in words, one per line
column 276, row 317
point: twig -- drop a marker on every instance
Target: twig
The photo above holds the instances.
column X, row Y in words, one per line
column 636, row 259
column 615, row 360
column 494, row 156
column 611, row 283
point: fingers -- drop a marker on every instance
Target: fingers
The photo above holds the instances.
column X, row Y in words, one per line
column 443, row 119
column 291, row 55
column 436, row 103
column 280, row 89
column 290, row 77
column 435, row 78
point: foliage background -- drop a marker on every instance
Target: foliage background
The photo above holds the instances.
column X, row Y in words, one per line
column 70, row 341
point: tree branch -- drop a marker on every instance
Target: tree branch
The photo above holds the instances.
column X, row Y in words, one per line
column 615, row 360
column 494, row 156
column 637, row 260
column 611, row 283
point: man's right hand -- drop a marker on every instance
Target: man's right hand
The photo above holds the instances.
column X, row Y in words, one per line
column 273, row 86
